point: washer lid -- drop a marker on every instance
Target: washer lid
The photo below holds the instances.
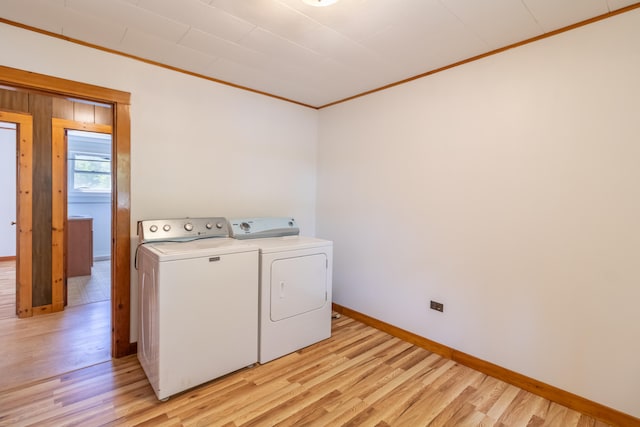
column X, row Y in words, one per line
column 168, row 251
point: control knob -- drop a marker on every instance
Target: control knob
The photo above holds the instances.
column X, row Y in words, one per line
column 188, row 226
column 218, row 225
column 166, row 227
column 153, row 228
column 209, row 226
column 245, row 226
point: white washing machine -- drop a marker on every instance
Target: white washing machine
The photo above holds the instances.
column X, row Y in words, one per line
column 198, row 302
column 295, row 285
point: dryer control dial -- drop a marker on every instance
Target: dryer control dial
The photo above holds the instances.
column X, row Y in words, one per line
column 166, row 227
column 188, row 226
column 245, row 226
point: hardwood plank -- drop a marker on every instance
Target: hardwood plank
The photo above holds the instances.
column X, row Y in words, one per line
column 53, row 344
column 364, row 378
column 13, row 100
column 103, row 115
column 523, row 409
column 454, row 406
column 62, row 108
column 7, row 289
column 83, row 112
column 547, row 391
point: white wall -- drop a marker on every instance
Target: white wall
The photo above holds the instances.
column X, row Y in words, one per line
column 7, row 191
column 197, row 148
column 506, row 189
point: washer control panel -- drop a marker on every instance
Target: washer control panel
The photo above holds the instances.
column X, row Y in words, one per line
column 179, row 229
column 255, row 228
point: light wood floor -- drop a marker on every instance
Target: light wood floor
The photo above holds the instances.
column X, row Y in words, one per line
column 359, row 377
column 50, row 344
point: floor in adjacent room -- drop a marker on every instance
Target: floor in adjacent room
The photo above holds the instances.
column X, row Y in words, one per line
column 93, row 288
column 46, row 345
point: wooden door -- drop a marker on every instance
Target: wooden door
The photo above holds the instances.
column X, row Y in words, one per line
column 24, row 146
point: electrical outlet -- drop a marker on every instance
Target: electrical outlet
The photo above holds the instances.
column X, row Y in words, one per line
column 437, row 306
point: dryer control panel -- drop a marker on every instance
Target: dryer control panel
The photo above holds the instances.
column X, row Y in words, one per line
column 256, row 228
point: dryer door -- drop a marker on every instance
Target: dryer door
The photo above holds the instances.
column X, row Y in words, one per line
column 298, row 285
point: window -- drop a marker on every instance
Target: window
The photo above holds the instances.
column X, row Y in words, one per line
column 89, row 166
column 91, row 172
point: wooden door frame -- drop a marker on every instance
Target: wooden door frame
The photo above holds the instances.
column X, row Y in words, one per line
column 24, row 175
column 59, row 174
column 121, row 197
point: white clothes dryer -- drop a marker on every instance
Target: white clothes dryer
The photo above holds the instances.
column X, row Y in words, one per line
column 295, row 285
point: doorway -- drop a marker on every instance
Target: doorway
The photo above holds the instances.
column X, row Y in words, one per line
column 88, row 230
column 81, row 177
column 19, row 87
column 88, row 235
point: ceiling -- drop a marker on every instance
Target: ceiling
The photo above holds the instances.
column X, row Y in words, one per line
column 310, row 55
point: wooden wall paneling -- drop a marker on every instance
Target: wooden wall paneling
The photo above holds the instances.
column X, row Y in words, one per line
column 41, row 109
column 104, row 115
column 62, row 108
column 83, row 112
column 121, row 234
column 24, row 208
column 12, row 100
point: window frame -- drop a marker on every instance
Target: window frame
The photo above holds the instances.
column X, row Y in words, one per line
column 87, row 144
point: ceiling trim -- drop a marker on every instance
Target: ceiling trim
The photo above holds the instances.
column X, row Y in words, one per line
column 400, row 82
column 148, row 61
